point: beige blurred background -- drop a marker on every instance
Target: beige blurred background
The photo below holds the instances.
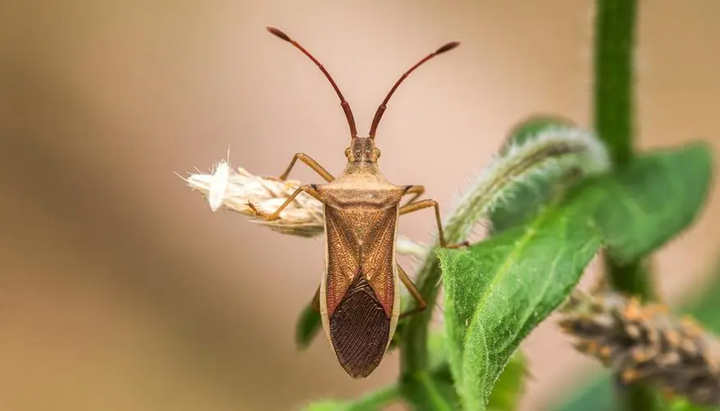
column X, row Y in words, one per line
column 120, row 290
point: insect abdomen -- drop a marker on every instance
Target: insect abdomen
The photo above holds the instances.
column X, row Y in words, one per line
column 359, row 329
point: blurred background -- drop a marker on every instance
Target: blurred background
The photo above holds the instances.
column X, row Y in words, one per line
column 120, row 290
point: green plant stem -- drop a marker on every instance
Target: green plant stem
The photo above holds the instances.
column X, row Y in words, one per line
column 614, row 93
column 633, row 278
column 640, row 397
column 377, row 399
column 614, row 46
column 415, row 357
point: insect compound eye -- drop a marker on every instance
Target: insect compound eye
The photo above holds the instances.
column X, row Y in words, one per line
column 349, row 153
column 376, row 153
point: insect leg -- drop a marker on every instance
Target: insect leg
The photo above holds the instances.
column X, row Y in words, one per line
column 314, row 165
column 274, row 216
column 421, row 305
column 419, row 205
column 416, row 191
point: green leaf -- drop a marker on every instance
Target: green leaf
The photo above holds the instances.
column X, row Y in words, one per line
column 652, row 199
column 497, row 291
column 528, row 198
column 307, row 327
column 370, row 402
column 509, row 387
column 684, row 405
column 328, row 405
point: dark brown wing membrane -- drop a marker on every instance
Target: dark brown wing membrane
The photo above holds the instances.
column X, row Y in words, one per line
column 359, row 330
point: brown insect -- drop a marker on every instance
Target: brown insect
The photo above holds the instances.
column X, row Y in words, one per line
column 358, row 297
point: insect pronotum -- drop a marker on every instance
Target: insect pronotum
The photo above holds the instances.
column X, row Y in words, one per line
column 358, row 297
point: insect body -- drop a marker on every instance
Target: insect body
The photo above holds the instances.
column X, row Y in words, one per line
column 358, row 297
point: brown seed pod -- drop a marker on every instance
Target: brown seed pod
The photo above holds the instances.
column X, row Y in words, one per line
column 645, row 343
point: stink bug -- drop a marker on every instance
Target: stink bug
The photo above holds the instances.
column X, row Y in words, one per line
column 359, row 294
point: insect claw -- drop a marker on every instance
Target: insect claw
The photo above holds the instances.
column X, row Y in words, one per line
column 265, row 216
column 456, row 246
column 255, row 210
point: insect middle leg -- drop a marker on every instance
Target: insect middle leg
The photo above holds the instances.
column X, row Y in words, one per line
column 274, row 216
column 314, row 165
column 421, row 304
column 419, row 205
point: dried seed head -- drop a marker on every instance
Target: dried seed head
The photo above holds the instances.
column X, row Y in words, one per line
column 235, row 188
column 646, row 343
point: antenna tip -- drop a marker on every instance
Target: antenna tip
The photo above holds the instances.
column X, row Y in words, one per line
column 448, row 47
column 276, row 31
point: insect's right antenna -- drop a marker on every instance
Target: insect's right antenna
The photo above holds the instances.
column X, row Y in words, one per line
column 381, row 110
column 343, row 102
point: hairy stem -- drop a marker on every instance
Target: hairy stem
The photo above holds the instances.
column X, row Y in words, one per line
column 614, row 93
column 614, row 46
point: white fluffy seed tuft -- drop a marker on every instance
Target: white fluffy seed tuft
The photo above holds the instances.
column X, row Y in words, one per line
column 218, row 185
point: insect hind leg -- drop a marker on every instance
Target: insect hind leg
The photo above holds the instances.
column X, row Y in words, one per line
column 419, row 300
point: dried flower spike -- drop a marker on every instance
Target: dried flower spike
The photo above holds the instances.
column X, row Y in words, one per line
column 646, row 343
column 237, row 189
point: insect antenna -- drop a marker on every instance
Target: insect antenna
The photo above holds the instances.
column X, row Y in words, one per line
column 383, row 106
column 343, row 103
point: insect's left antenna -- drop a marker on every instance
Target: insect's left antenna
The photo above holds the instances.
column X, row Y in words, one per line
column 381, row 110
column 343, row 103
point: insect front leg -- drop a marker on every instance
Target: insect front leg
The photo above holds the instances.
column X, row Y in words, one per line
column 422, row 204
column 421, row 304
column 274, row 216
column 314, row 165
column 415, row 191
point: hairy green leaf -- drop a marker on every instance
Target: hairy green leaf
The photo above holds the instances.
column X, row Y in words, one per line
column 652, row 199
column 509, row 387
column 498, row 290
